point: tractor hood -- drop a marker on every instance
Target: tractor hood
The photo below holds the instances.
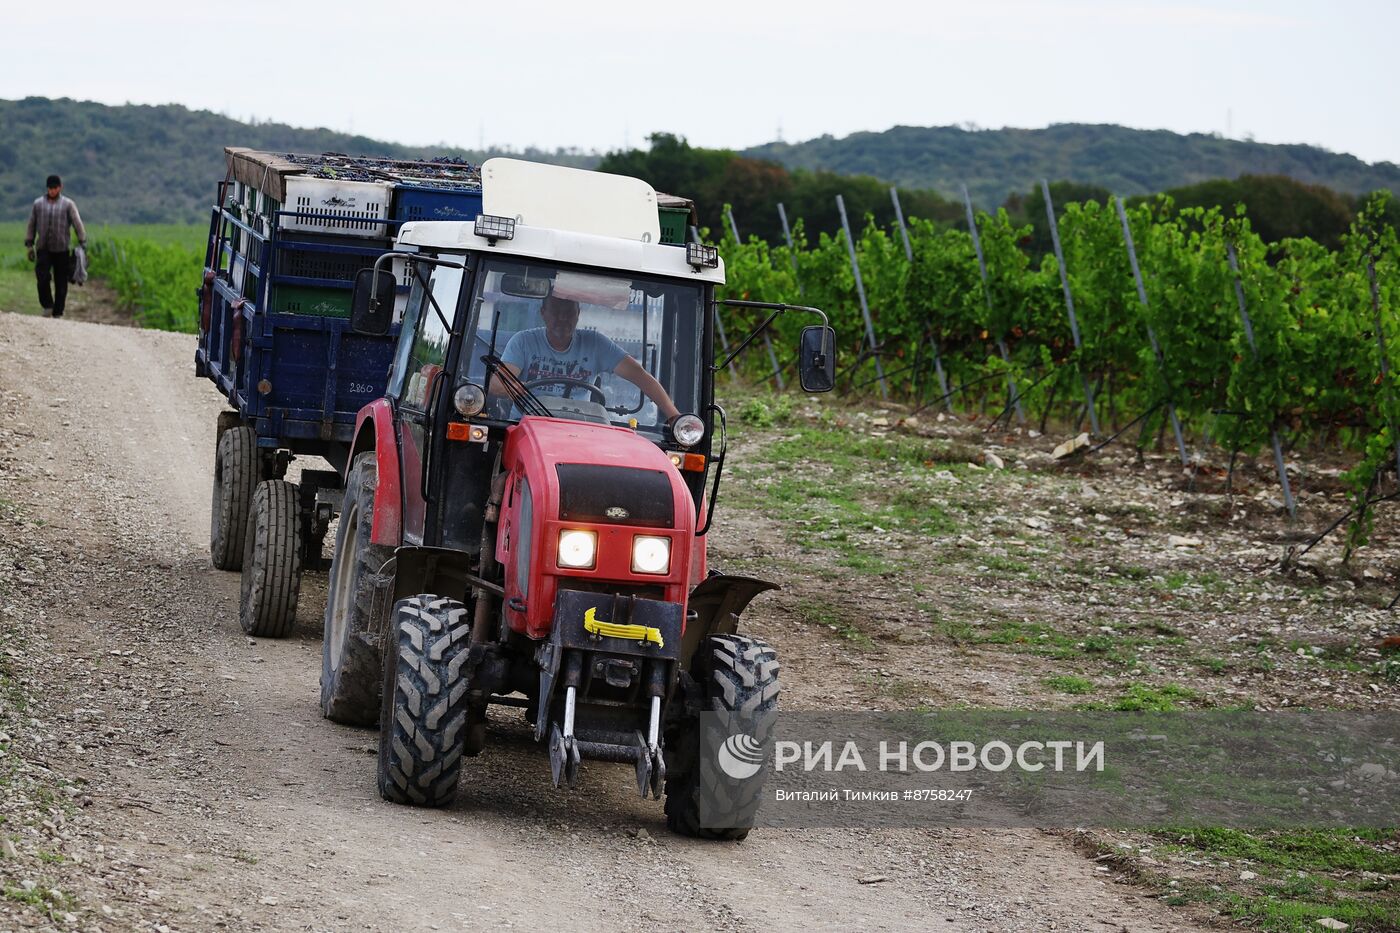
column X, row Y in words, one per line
column 606, row 481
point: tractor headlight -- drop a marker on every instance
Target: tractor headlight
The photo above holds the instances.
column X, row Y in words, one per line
column 469, row 399
column 687, row 430
column 578, row 549
column 651, row 554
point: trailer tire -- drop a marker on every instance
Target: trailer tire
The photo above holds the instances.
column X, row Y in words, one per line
column 271, row 561
column 738, row 678
column 424, row 716
column 235, row 476
column 355, row 626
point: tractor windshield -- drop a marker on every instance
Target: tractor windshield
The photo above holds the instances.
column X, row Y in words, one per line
column 609, row 347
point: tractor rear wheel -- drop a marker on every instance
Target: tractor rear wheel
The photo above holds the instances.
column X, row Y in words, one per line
column 738, row 680
column 355, row 624
column 235, row 475
column 424, row 715
column 271, row 561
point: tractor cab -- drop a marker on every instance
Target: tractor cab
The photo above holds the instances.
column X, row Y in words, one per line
column 525, row 509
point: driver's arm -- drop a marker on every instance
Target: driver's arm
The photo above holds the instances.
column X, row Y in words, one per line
column 512, row 358
column 491, row 388
column 632, row 371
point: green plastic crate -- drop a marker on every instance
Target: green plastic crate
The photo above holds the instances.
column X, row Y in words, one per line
column 317, row 302
column 674, row 221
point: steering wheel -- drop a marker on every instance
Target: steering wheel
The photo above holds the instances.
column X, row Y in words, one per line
column 572, row 383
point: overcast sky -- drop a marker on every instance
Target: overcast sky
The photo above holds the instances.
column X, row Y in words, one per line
column 602, row 75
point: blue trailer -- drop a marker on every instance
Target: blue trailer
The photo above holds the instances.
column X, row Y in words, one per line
column 287, row 235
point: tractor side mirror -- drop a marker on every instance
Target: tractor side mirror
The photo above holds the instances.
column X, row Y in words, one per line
column 816, row 359
column 372, row 302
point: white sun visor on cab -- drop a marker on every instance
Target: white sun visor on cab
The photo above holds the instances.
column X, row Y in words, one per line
column 570, row 199
column 593, row 289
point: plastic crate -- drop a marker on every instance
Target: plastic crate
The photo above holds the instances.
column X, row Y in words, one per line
column 316, row 302
column 346, row 207
column 322, row 301
column 674, row 222
column 412, row 202
column 315, row 264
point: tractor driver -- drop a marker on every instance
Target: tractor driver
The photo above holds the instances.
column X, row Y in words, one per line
column 560, row 350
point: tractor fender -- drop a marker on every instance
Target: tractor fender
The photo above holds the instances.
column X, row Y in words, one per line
column 374, row 430
column 437, row 570
column 717, row 602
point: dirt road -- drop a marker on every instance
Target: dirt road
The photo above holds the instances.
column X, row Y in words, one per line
column 198, row 787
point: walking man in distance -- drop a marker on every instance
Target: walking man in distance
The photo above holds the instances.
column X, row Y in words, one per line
column 47, row 237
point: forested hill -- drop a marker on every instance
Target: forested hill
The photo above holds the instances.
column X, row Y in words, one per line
column 158, row 164
column 142, row 164
column 995, row 163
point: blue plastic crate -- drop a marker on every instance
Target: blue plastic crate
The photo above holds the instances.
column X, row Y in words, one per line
column 417, row 203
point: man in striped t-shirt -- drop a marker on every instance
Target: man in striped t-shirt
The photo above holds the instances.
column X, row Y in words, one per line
column 47, row 237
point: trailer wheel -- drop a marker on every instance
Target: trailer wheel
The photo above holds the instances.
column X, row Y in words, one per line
column 235, row 475
column 271, row 561
column 738, row 678
column 354, row 631
column 423, row 718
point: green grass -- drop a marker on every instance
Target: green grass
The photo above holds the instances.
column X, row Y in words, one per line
column 1000, row 564
column 45, row 898
column 766, row 411
column 1068, row 683
column 1144, row 697
column 820, row 613
column 16, row 272
column 1120, row 648
column 1303, row 876
column 1295, row 850
column 156, row 278
column 844, row 491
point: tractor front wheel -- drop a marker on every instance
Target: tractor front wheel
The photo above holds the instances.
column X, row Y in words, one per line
column 271, row 561
column 424, row 714
column 739, row 688
column 354, row 636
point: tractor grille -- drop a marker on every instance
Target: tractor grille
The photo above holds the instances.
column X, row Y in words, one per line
column 615, row 495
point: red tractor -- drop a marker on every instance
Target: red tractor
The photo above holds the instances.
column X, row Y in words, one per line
column 525, row 511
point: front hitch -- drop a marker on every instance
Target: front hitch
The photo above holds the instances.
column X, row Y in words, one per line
column 608, row 659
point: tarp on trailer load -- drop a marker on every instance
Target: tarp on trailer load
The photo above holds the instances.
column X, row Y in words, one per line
column 261, row 170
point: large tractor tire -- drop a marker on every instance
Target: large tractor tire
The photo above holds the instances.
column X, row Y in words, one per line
column 424, row 717
column 738, row 678
column 235, row 476
column 351, row 670
column 271, row 561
